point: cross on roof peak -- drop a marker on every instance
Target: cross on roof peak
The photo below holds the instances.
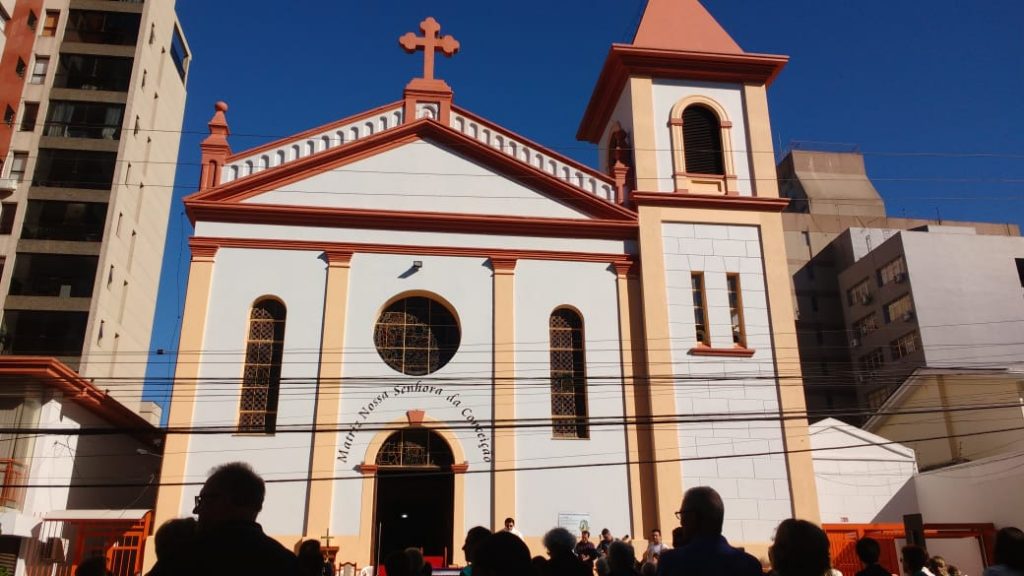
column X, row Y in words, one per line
column 430, row 42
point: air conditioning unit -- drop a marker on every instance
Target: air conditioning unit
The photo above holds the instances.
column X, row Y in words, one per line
column 900, row 278
column 54, row 551
column 907, row 316
column 854, row 342
column 8, row 186
column 866, row 299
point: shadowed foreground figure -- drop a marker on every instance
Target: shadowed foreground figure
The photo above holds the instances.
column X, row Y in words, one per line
column 502, row 554
column 800, row 549
column 1009, row 553
column 561, row 560
column 175, row 547
column 705, row 551
column 229, row 542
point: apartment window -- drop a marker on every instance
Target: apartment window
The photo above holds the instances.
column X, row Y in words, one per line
column 859, row 294
column 904, row 345
column 702, row 141
column 8, row 210
column 878, row 396
column 568, row 375
column 261, row 377
column 700, row 309
column 20, row 68
column 1020, row 270
column 873, row 360
column 865, row 325
column 9, row 116
column 50, row 23
column 75, row 169
column 739, row 335
column 29, row 115
column 179, row 54
column 901, row 308
column 895, row 271
column 84, row 120
column 94, row 27
column 53, row 275
column 60, row 220
column 45, row 333
column 33, row 20
column 84, row 72
column 39, row 70
column 19, row 160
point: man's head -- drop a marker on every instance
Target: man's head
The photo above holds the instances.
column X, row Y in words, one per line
column 606, row 535
column 656, row 536
column 474, row 537
column 584, row 535
column 510, row 523
column 914, row 558
column 701, row 513
column 868, row 550
column 800, row 549
column 232, row 493
column 559, row 541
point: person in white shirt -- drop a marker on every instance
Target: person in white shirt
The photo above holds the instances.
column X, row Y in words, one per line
column 510, row 526
column 655, row 546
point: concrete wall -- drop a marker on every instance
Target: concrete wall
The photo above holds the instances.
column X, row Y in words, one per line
column 755, row 488
column 984, row 491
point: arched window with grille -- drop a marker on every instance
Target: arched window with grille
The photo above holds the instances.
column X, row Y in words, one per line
column 261, row 377
column 702, row 141
column 568, row 375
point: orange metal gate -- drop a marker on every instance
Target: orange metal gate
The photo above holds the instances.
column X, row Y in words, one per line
column 843, row 538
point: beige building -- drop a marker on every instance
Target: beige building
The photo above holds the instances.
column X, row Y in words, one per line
column 830, row 193
column 89, row 159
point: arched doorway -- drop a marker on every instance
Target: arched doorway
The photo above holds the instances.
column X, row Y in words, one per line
column 415, row 494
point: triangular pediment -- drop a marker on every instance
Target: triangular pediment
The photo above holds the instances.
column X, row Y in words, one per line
column 426, row 167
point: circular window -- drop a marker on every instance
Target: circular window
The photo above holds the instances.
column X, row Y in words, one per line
column 416, row 335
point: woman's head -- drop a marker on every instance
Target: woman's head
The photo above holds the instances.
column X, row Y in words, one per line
column 800, row 549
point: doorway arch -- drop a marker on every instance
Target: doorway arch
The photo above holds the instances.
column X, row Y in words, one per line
column 414, row 490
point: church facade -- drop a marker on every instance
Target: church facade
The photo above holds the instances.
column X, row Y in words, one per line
column 413, row 321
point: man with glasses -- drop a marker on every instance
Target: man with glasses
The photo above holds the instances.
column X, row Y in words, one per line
column 705, row 551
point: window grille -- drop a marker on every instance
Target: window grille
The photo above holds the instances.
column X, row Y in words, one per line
column 416, row 336
column 415, row 447
column 568, row 376
column 261, row 378
column 702, row 141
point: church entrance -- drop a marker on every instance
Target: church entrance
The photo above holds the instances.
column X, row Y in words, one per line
column 415, row 496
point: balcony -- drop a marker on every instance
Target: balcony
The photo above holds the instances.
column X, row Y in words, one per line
column 75, row 169
column 96, row 27
column 60, row 275
column 44, row 333
column 64, row 221
column 13, row 474
column 84, row 120
column 86, row 72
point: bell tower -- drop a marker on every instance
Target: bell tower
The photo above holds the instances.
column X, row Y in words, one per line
column 691, row 103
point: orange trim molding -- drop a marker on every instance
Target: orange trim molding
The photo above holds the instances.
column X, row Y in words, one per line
column 625, row 60
column 709, row 201
column 202, row 252
column 722, row 352
column 502, row 256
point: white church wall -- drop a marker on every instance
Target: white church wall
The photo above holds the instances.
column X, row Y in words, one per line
column 601, row 492
column 432, row 179
column 241, row 277
column 405, row 238
column 667, row 93
column 375, row 280
column 755, row 488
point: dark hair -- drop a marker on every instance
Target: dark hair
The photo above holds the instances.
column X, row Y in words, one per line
column 706, row 507
column 914, row 557
column 1009, row 548
column 502, row 554
column 621, row 557
column 868, row 550
column 242, row 485
column 605, row 531
column 311, row 559
column 397, row 564
column 510, row 519
column 678, row 537
column 474, row 537
column 174, row 539
column 800, row 549
column 584, row 532
column 653, row 530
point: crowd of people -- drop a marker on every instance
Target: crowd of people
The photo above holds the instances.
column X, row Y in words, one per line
column 226, row 540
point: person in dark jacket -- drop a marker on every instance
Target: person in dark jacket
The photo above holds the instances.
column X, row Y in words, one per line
column 705, row 551
column 869, row 551
column 800, row 549
column 561, row 559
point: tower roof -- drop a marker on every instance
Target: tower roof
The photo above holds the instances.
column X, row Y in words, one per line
column 683, row 25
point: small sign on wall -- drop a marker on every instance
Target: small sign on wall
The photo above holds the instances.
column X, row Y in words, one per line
column 574, row 522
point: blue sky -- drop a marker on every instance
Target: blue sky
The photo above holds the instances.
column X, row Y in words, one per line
column 931, row 92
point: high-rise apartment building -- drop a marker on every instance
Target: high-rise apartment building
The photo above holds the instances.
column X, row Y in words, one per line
column 93, row 94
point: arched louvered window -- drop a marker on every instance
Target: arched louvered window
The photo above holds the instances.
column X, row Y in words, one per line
column 702, row 141
column 415, row 448
column 261, row 378
column 568, row 375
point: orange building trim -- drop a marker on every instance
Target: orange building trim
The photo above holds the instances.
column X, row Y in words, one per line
column 722, row 352
column 624, row 61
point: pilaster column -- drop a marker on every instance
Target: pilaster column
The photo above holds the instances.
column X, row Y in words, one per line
column 186, row 382
column 504, row 407
column 328, row 395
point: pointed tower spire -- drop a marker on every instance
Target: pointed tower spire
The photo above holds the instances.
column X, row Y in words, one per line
column 215, row 148
column 683, row 25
